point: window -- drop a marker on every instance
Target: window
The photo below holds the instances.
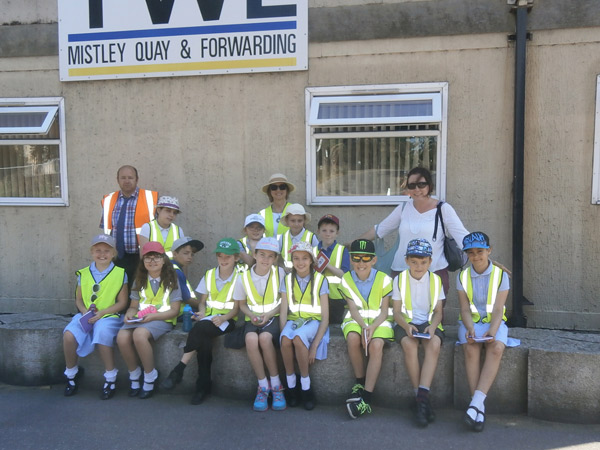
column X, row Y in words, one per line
column 363, row 140
column 596, row 163
column 33, row 164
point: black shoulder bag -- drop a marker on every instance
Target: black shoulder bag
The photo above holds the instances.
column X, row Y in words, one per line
column 454, row 255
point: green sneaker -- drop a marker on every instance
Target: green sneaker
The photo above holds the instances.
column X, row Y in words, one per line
column 356, row 409
column 356, row 394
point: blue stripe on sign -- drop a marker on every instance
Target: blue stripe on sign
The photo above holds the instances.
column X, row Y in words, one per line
column 182, row 31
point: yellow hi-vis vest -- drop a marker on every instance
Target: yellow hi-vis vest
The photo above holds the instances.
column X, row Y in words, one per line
column 219, row 302
column 269, row 301
column 267, row 213
column 370, row 308
column 435, row 287
column 336, row 261
column 156, row 236
column 110, row 286
column 241, row 265
column 286, row 245
column 309, row 306
column 493, row 286
column 160, row 300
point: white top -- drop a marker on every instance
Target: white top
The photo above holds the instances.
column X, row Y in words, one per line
column 420, row 296
column 259, row 281
column 220, row 282
column 145, row 231
column 411, row 224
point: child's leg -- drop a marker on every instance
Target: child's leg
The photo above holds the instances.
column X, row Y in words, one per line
column 254, row 355
column 287, row 354
column 125, row 343
column 493, row 355
column 301, row 356
column 374, row 364
column 410, row 347
column 356, row 352
column 265, row 340
column 472, row 364
column 142, row 341
column 70, row 349
column 432, row 353
column 108, row 357
column 187, row 357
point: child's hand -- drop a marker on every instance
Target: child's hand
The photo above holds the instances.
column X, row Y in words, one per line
column 217, row 320
column 130, row 314
column 312, row 355
column 410, row 330
column 148, row 317
column 369, row 333
column 470, row 335
column 493, row 336
column 95, row 318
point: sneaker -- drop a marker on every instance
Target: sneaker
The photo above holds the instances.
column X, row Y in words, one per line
column 278, row 399
column 421, row 414
column 260, row 402
column 356, row 395
column 173, row 379
column 355, row 409
column 308, row 398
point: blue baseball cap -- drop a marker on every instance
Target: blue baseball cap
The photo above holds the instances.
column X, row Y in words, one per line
column 268, row 243
column 419, row 247
column 477, row 239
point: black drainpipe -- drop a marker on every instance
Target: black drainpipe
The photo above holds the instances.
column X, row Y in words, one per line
column 521, row 9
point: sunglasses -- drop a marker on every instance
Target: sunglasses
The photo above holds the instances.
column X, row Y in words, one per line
column 95, row 290
column 420, row 185
column 281, row 187
column 363, row 258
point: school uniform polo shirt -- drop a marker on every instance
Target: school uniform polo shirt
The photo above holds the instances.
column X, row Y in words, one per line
column 480, row 287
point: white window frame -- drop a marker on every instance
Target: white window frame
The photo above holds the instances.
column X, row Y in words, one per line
column 40, row 104
column 438, row 92
column 596, row 162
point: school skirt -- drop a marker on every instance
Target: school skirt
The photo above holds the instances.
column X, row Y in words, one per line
column 307, row 333
column 156, row 328
column 104, row 332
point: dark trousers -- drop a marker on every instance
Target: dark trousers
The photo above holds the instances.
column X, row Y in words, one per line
column 129, row 262
column 200, row 338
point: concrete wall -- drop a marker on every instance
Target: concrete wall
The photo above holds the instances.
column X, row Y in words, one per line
column 213, row 141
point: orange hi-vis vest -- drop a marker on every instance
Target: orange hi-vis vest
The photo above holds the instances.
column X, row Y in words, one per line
column 144, row 209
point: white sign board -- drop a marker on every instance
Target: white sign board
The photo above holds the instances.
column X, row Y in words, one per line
column 107, row 39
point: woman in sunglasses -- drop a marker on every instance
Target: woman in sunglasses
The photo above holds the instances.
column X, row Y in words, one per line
column 278, row 189
column 155, row 300
column 416, row 220
column 100, row 296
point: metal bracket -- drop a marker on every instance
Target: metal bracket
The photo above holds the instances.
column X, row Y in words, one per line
column 513, row 37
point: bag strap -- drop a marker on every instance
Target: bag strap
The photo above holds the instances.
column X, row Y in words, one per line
column 438, row 216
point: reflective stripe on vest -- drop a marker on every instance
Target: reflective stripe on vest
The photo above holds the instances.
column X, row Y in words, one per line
column 368, row 310
column 287, row 245
column 219, row 302
column 270, row 300
column 310, row 310
column 494, row 284
column 110, row 286
column 160, row 300
column 143, row 214
column 241, row 265
column 267, row 214
column 435, row 288
column 156, row 236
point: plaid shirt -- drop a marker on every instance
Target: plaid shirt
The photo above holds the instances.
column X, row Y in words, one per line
column 131, row 243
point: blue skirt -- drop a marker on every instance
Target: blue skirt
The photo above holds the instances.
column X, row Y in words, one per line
column 481, row 328
column 307, row 333
column 104, row 332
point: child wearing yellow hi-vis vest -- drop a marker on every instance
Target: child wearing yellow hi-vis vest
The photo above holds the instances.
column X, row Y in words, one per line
column 304, row 321
column 296, row 218
column 482, row 292
column 417, row 297
column 162, row 229
column 367, row 325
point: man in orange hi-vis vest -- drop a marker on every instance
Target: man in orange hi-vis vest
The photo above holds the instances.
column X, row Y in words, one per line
column 123, row 214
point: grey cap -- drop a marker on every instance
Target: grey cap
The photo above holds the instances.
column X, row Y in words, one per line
column 186, row 240
column 104, row 239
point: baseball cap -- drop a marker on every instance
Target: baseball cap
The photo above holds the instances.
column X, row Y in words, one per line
column 168, row 202
column 419, row 247
column 254, row 218
column 329, row 218
column 363, row 246
column 268, row 243
column 104, row 239
column 477, row 239
column 228, row 246
column 153, row 247
column 303, row 247
column 186, row 240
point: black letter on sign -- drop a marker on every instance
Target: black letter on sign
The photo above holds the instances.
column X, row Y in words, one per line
column 257, row 11
column 96, row 20
column 160, row 11
column 210, row 9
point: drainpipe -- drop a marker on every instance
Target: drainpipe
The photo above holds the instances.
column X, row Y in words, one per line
column 520, row 8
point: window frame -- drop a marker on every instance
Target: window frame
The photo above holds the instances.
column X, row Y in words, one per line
column 316, row 95
column 37, row 104
column 596, row 161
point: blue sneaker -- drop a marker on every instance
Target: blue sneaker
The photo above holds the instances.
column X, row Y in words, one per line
column 260, row 402
column 278, row 399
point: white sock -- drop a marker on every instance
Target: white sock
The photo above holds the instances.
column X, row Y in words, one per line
column 70, row 374
column 305, row 382
column 291, row 381
column 275, row 382
column 478, row 402
column 149, row 378
column 263, row 383
column 134, row 377
column 110, row 376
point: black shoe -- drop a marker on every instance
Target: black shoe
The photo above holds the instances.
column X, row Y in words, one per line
column 308, row 397
column 356, row 409
column 172, row 380
column 421, row 414
column 198, row 397
column 430, row 413
column 473, row 424
column 71, row 388
column 134, row 392
column 108, row 391
column 147, row 394
column 291, row 396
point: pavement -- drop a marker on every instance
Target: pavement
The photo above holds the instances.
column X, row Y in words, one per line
column 42, row 418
